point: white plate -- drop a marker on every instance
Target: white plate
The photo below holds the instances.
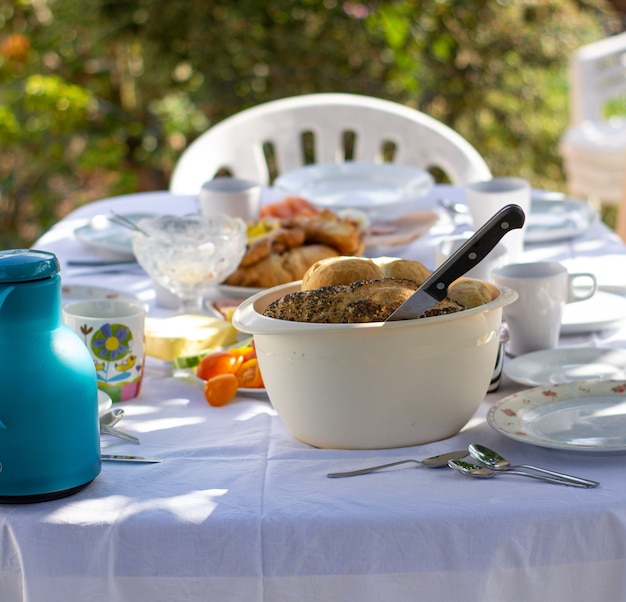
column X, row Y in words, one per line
column 600, row 312
column 588, row 416
column 399, row 231
column 554, row 216
column 104, row 401
column 102, row 234
column 558, row 366
column 71, row 292
column 250, row 391
column 238, row 292
column 365, row 186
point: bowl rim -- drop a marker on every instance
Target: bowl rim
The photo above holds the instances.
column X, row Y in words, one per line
column 248, row 320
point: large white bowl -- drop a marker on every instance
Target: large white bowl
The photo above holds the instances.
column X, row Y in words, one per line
column 379, row 385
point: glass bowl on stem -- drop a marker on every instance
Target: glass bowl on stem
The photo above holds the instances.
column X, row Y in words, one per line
column 189, row 255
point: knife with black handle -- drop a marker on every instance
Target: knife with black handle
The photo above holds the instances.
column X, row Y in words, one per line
column 435, row 287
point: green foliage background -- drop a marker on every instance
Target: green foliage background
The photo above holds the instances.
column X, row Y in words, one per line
column 99, row 97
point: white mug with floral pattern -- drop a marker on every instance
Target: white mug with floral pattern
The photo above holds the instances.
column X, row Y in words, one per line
column 114, row 333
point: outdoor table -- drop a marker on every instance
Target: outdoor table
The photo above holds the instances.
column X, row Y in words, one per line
column 239, row 510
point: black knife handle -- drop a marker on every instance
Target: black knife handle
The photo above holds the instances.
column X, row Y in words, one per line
column 474, row 250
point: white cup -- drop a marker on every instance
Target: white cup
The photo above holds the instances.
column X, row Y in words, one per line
column 114, row 333
column 230, row 196
column 497, row 257
column 534, row 319
column 485, row 199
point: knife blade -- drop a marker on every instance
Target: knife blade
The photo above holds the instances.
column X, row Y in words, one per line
column 125, row 458
column 472, row 252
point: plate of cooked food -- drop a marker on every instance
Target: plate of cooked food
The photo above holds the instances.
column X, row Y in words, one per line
column 293, row 234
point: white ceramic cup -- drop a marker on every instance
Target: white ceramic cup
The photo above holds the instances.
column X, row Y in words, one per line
column 534, row 320
column 114, row 333
column 230, row 196
column 497, row 257
column 485, row 199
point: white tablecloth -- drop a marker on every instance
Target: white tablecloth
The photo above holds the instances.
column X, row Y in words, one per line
column 240, row 510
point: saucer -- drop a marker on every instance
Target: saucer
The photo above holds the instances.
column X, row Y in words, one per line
column 601, row 312
column 566, row 365
column 104, row 401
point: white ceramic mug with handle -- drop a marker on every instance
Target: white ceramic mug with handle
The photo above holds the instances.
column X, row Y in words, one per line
column 534, row 320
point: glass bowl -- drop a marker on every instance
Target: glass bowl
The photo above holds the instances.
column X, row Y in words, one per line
column 189, row 255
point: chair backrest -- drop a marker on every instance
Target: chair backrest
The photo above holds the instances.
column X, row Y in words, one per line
column 286, row 134
column 597, row 77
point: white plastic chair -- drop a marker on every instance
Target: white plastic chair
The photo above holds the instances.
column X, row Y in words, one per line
column 594, row 146
column 276, row 134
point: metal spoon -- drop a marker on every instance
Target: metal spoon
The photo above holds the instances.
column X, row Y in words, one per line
column 109, row 419
column 481, row 472
column 496, row 462
column 452, row 207
column 432, row 462
column 122, row 220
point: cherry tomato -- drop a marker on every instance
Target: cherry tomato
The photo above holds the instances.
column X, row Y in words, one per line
column 219, row 362
column 246, row 353
column 219, row 390
column 249, row 375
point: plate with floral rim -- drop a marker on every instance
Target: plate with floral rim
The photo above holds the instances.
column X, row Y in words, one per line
column 586, row 416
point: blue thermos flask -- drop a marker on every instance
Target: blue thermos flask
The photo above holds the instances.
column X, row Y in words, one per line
column 49, row 429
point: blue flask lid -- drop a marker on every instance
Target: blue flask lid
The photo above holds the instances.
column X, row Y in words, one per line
column 26, row 265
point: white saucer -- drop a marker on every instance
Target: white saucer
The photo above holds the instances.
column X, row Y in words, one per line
column 588, row 416
column 102, row 234
column 104, row 401
column 72, row 292
column 555, row 216
column 600, row 312
column 565, row 365
column 369, row 187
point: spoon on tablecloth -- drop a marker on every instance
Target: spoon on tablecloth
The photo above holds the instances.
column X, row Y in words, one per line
column 481, row 472
column 109, row 419
column 496, row 462
column 432, row 462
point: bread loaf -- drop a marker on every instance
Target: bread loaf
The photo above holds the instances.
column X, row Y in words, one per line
column 363, row 301
column 346, row 270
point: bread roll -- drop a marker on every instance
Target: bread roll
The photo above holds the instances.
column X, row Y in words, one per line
column 363, row 301
column 277, row 269
column 346, row 270
column 469, row 292
column 340, row 271
column 391, row 267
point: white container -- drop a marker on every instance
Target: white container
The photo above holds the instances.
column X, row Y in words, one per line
column 378, row 385
column 230, row 196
